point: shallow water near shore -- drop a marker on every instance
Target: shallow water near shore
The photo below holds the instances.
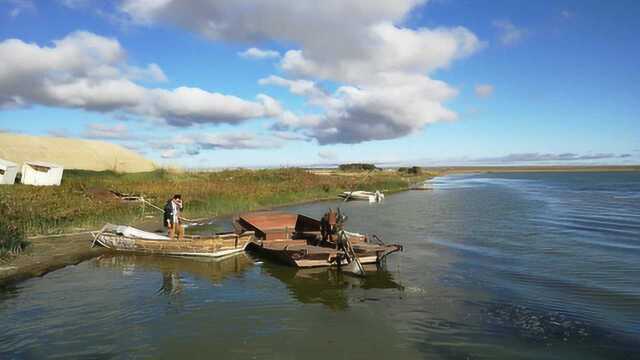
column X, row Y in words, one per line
column 513, row 266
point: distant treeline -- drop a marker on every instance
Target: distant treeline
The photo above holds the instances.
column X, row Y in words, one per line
column 414, row 170
column 358, row 167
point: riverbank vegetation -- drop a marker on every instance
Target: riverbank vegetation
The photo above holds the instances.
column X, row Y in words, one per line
column 85, row 201
column 12, row 238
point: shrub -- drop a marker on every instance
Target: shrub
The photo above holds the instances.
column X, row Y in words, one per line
column 12, row 239
column 414, row 170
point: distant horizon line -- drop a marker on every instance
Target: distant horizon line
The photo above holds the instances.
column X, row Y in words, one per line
column 555, row 167
column 524, row 159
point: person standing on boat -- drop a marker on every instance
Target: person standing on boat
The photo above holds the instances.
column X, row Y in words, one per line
column 172, row 220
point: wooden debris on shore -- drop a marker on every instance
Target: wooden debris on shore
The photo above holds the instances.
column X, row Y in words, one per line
column 104, row 194
column 128, row 197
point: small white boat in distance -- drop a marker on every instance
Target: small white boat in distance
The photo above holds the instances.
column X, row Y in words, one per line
column 372, row 197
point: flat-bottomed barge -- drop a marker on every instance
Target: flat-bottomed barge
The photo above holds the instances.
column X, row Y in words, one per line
column 304, row 242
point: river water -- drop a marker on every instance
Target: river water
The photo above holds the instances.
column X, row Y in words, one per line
column 512, row 266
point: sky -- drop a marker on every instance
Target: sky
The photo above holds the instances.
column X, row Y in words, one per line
column 256, row 83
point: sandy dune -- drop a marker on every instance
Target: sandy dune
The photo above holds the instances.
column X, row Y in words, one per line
column 72, row 153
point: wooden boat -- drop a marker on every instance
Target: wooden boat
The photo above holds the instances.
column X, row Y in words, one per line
column 304, row 242
column 126, row 238
column 372, row 197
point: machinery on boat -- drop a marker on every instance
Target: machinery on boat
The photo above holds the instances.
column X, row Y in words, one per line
column 304, row 242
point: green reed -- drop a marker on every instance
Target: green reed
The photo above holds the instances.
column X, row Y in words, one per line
column 74, row 205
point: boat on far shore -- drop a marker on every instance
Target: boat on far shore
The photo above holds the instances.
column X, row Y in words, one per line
column 372, row 197
column 129, row 239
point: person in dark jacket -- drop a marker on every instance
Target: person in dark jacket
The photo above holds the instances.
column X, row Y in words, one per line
column 172, row 219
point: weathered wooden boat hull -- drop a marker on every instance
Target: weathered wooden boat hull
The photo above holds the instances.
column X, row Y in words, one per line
column 314, row 256
column 216, row 246
column 297, row 240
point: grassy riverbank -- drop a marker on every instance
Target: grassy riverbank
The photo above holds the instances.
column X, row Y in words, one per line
column 83, row 202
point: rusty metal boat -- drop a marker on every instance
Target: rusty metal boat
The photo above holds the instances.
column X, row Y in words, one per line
column 305, row 242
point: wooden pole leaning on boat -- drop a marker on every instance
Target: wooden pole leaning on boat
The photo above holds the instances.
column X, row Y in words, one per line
column 193, row 221
column 96, row 235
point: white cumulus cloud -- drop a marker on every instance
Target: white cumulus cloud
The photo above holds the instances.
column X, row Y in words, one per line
column 384, row 47
column 191, row 144
column 102, row 131
column 88, row 71
column 382, row 68
column 228, row 141
column 19, row 7
column 170, row 154
column 390, row 106
column 255, row 53
column 326, row 154
column 509, row 33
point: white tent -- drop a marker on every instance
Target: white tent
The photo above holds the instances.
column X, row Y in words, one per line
column 41, row 173
column 8, row 171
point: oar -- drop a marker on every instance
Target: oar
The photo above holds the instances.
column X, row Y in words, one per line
column 193, row 221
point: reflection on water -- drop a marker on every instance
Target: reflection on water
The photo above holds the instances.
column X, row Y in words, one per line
column 329, row 286
column 524, row 266
column 173, row 269
column 212, row 269
column 170, row 284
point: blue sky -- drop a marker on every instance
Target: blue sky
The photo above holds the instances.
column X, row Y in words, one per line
column 414, row 82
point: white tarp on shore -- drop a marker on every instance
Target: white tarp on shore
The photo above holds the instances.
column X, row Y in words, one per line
column 8, row 172
column 41, row 173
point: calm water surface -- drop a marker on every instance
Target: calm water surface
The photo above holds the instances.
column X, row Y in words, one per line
column 513, row 266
